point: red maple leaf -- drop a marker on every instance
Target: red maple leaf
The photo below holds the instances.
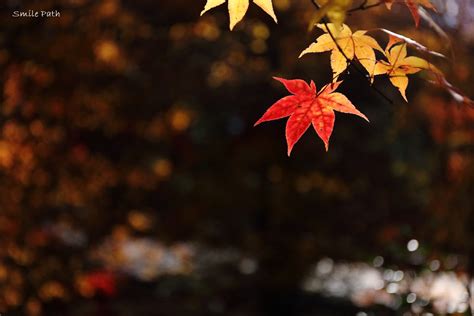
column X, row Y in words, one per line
column 306, row 107
column 413, row 7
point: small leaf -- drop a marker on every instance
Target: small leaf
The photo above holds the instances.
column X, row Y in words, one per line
column 238, row 9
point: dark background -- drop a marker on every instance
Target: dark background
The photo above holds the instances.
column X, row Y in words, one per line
column 133, row 119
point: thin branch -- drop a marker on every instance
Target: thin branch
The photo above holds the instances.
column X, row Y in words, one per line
column 348, row 60
column 365, row 6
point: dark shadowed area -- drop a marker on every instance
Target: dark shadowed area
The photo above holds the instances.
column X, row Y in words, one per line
column 132, row 180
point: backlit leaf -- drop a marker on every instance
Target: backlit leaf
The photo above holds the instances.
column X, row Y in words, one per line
column 345, row 46
column 306, row 107
column 399, row 65
column 238, row 8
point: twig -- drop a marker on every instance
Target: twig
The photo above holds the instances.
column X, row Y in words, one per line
column 364, row 6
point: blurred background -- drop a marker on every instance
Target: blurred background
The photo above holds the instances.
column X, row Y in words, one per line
column 133, row 183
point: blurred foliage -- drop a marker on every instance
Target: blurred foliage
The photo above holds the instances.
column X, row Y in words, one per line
column 123, row 120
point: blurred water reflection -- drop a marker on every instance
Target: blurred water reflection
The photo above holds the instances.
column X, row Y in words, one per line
column 144, row 258
column 365, row 285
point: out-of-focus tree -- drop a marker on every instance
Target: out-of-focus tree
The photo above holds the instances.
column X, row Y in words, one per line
column 126, row 129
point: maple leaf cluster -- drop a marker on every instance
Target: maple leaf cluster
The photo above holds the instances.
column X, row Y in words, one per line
column 335, row 10
column 347, row 46
column 306, row 106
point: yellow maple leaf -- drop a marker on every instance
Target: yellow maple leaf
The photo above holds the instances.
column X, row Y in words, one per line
column 398, row 66
column 345, row 46
column 238, row 8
